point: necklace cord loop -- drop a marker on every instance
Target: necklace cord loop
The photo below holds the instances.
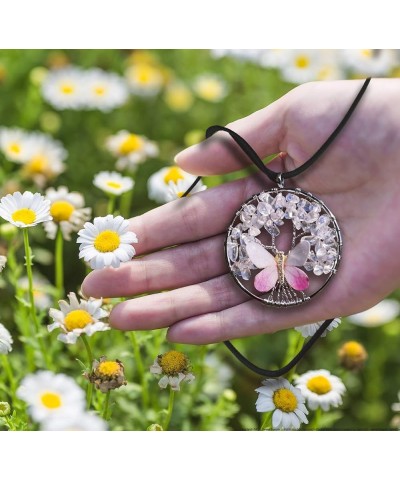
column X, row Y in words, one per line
column 279, row 178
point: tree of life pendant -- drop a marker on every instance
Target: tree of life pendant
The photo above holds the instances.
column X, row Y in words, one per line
column 283, row 246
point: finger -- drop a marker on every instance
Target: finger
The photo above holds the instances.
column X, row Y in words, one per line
column 172, row 268
column 164, row 309
column 263, row 130
column 250, row 318
column 202, row 215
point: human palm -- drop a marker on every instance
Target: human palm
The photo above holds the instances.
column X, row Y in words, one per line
column 357, row 178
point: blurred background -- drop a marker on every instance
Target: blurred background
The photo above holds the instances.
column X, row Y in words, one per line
column 174, row 95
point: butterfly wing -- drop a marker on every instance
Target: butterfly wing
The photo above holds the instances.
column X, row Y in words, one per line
column 298, row 256
column 296, row 278
column 259, row 256
column 266, row 279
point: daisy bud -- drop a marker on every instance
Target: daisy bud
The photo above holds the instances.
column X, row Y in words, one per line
column 5, row 409
column 155, row 427
column 352, row 355
column 106, row 374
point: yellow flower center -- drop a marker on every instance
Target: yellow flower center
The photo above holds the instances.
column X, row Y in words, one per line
column 210, row 89
column 51, row 400
column 173, row 175
column 67, row 88
column 145, row 74
column 107, row 241
column 14, row 148
column 61, row 210
column 132, row 143
column 99, row 90
column 178, row 98
column 353, row 349
column 77, row 319
column 109, row 368
column 173, row 362
column 319, row 385
column 114, row 185
column 285, row 400
column 24, row 215
column 302, row 61
column 38, row 164
column 367, row 53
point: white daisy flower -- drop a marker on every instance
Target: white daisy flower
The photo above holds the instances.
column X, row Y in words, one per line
column 384, row 312
column 273, row 57
column 178, row 97
column 176, row 190
column 68, row 212
column 159, row 184
column 6, row 340
column 15, row 144
column 42, row 291
column 113, row 183
column 64, row 88
column 46, row 159
column 301, row 66
column 82, row 422
column 3, row 261
column 309, row 330
column 286, row 401
column 106, row 242
column 144, row 79
column 104, row 90
column 321, row 389
column 50, row 395
column 369, row 62
column 210, row 87
column 78, row 317
column 130, row 149
column 175, row 368
column 25, row 209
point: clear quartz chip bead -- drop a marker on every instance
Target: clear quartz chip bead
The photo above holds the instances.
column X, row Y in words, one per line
column 264, row 208
column 292, row 198
column 254, row 231
column 236, row 231
column 318, row 269
column 272, row 229
column 232, row 250
column 265, row 197
column 280, row 201
column 250, row 209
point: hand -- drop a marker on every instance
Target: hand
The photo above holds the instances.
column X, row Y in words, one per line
column 358, row 179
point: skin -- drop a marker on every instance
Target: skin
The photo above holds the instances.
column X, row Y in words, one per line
column 358, row 178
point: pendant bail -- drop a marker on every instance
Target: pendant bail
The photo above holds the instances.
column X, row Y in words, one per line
column 280, row 180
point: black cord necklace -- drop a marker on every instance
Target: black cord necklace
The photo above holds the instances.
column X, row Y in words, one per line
column 256, row 234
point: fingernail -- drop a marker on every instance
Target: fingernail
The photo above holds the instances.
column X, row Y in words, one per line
column 176, row 158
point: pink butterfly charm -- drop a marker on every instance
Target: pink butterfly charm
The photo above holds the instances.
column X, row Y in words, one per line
column 280, row 268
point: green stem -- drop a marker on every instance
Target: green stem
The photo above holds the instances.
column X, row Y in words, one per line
column 170, row 408
column 140, row 368
column 20, row 315
column 316, row 419
column 111, row 204
column 106, row 405
column 89, row 392
column 59, row 262
column 10, row 375
column 28, row 260
column 266, row 420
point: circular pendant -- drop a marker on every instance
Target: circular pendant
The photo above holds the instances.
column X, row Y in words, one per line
column 283, row 246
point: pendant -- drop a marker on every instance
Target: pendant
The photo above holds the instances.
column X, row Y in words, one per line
column 283, row 246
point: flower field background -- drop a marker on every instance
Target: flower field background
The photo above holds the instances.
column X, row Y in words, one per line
column 134, row 122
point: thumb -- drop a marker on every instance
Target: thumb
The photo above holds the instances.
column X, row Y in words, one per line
column 263, row 130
